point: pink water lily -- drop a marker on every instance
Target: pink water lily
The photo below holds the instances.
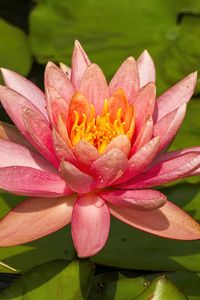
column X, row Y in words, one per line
column 86, row 149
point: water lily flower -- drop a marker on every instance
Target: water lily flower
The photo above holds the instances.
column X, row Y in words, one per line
column 86, row 149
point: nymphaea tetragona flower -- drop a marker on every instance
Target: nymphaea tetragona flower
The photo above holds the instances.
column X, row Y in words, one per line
column 86, row 149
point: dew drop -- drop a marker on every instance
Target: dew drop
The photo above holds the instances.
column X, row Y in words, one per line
column 101, row 179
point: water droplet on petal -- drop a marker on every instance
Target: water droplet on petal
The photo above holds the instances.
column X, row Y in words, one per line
column 101, row 179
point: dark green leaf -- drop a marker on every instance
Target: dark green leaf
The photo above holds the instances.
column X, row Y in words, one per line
column 111, row 31
column 161, row 288
column 14, row 50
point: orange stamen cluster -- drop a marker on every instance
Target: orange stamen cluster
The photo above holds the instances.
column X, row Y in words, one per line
column 100, row 130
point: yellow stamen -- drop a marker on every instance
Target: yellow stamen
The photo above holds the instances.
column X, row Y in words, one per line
column 100, row 130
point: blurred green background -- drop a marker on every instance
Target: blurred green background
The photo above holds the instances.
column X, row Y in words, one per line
column 34, row 32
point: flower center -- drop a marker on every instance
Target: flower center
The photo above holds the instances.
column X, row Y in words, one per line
column 100, row 130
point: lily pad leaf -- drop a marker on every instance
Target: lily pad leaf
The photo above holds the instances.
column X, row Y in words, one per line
column 55, row 280
column 169, row 30
column 14, row 51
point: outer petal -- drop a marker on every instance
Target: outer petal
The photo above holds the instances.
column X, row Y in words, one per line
column 77, row 180
column 144, row 105
column 174, row 154
column 56, row 105
column 26, row 88
column 80, row 62
column 168, row 221
column 12, row 154
column 14, row 103
column 126, row 78
column 168, row 126
column 56, row 78
column 166, row 171
column 41, row 135
column 196, row 172
column 175, row 96
column 62, row 150
column 140, row 160
column 146, row 68
column 109, row 167
column 32, row 182
column 67, row 70
column 94, row 87
column 144, row 136
column 11, row 133
column 34, row 218
column 138, row 199
column 90, row 225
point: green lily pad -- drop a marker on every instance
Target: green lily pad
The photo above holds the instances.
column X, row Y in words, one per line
column 124, row 288
column 161, row 288
column 133, row 249
column 187, row 282
column 117, row 285
column 111, row 31
column 55, row 280
column 14, row 51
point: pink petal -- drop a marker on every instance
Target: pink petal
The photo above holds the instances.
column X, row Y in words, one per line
column 17, row 155
column 126, row 78
column 138, row 199
column 174, row 154
column 56, row 78
column 86, row 153
column 121, row 142
column 67, row 70
column 144, row 105
column 77, row 180
column 175, row 96
column 94, row 87
column 146, row 68
column 144, row 136
column 11, row 133
column 32, row 182
column 174, row 168
column 26, row 88
column 109, row 167
column 41, row 135
column 14, row 104
column 90, row 225
column 34, row 218
column 80, row 62
column 196, row 172
column 56, row 105
column 62, row 150
column 140, row 160
column 168, row 221
column 168, row 126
